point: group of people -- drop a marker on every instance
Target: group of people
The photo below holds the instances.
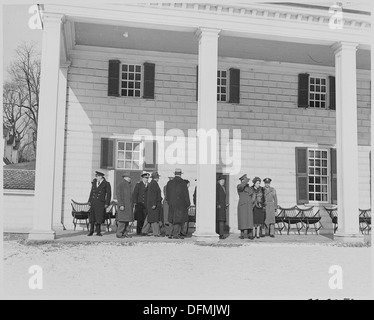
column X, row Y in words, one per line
column 143, row 204
column 256, row 208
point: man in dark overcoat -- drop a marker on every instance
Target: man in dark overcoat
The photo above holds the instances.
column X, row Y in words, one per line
column 139, row 199
column 154, row 204
column 125, row 213
column 99, row 201
column 179, row 202
column 221, row 207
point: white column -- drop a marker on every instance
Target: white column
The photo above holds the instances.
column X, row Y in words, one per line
column 346, row 142
column 47, row 128
column 60, row 142
column 207, row 120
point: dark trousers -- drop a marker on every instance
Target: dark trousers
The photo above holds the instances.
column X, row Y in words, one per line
column 139, row 226
column 122, row 228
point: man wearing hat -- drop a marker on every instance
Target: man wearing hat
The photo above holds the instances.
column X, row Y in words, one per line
column 154, row 206
column 139, row 199
column 221, row 207
column 125, row 213
column 179, row 201
column 166, row 212
column 245, row 210
column 271, row 200
column 99, row 200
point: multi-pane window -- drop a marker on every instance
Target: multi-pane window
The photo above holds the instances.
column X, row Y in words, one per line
column 131, row 77
column 129, row 155
column 318, row 175
column 222, row 85
column 317, row 92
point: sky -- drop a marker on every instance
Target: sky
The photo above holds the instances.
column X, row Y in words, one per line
column 16, row 31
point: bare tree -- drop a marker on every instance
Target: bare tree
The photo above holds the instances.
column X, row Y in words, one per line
column 21, row 96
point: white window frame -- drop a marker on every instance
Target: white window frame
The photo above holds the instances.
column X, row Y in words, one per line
column 327, row 176
column 326, row 93
column 220, row 86
column 133, row 81
column 141, row 155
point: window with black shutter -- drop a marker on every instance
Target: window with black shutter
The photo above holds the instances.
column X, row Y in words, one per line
column 149, row 81
column 303, row 99
column 302, row 193
column 114, row 78
column 107, row 160
column 334, row 185
column 234, row 86
column 150, row 156
column 332, row 93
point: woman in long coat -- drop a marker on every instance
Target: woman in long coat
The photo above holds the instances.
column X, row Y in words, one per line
column 258, row 203
column 245, row 210
column 125, row 213
column 220, row 207
column 154, row 206
column 271, row 200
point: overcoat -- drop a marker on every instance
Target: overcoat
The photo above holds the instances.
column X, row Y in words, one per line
column 154, row 199
column 99, row 197
column 165, row 208
column 139, row 198
column 178, row 198
column 271, row 205
column 245, row 207
column 220, row 203
column 258, row 203
column 124, row 198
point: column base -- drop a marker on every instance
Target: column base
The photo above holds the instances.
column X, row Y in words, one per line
column 205, row 237
column 37, row 235
column 344, row 237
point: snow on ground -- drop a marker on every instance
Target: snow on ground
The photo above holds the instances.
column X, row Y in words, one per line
column 186, row 270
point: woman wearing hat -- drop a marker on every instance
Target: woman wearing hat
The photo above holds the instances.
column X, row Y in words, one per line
column 271, row 207
column 258, row 203
column 245, row 210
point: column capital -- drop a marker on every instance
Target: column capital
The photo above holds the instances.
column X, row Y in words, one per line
column 54, row 18
column 209, row 32
column 340, row 46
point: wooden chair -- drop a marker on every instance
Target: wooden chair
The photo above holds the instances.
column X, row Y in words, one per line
column 80, row 211
column 308, row 217
column 365, row 220
column 333, row 213
column 191, row 216
column 292, row 216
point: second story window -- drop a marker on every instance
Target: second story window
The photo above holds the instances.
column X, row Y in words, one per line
column 317, row 92
column 131, row 78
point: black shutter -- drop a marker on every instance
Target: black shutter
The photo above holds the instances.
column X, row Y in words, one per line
column 303, row 101
column 113, row 78
column 332, row 93
column 197, row 83
column 150, row 156
column 149, row 81
column 234, row 85
column 302, row 183
column 107, row 154
column 334, row 185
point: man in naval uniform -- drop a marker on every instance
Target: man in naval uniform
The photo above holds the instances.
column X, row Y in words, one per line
column 99, row 200
column 139, row 199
